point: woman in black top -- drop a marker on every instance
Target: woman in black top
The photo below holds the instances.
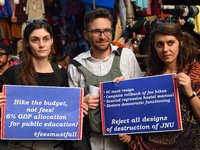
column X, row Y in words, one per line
column 36, row 69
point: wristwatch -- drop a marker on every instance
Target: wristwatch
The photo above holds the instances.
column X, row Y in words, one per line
column 193, row 95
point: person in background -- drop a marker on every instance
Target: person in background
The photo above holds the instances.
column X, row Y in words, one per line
column 35, row 69
column 173, row 51
column 67, row 61
column 5, row 57
column 64, row 62
column 102, row 62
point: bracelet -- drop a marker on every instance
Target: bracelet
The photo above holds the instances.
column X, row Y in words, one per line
column 193, row 95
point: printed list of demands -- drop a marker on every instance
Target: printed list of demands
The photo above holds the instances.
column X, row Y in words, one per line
column 42, row 114
column 128, row 97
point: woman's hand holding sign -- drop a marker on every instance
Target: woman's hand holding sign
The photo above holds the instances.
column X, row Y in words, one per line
column 125, row 138
column 2, row 99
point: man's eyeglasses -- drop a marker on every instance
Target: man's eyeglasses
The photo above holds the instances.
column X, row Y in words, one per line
column 42, row 20
column 1, row 54
column 98, row 32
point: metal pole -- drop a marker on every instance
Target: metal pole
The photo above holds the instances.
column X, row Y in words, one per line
column 93, row 1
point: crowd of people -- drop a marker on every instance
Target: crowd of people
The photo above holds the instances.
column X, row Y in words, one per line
column 170, row 50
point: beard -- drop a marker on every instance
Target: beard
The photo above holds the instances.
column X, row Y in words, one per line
column 102, row 45
column 101, row 48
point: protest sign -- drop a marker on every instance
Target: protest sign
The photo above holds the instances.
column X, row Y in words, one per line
column 39, row 112
column 141, row 105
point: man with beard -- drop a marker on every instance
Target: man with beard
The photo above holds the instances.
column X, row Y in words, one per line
column 102, row 62
column 5, row 57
